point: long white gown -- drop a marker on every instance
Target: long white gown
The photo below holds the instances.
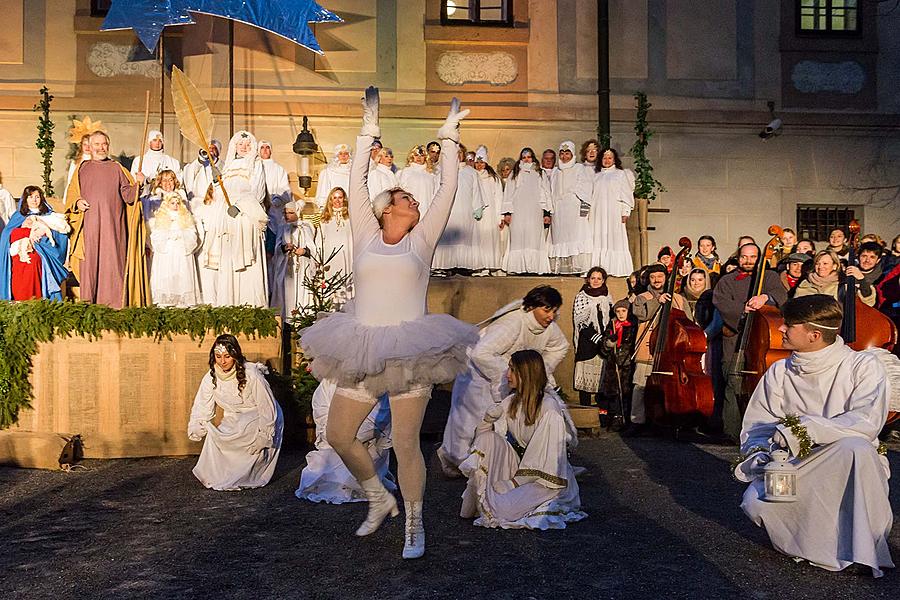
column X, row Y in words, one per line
column 279, row 191
column 612, row 198
column 235, row 246
column 325, row 478
column 484, row 380
column 332, row 176
column 570, row 251
column 336, row 237
column 455, row 250
column 487, row 230
column 155, row 161
column 384, row 340
column 173, row 271
column 527, row 197
column 416, row 180
column 842, row 514
column 535, row 491
column 288, row 292
column 241, row 451
column 196, row 178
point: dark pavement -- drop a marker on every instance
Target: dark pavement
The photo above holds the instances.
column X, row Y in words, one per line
column 663, row 522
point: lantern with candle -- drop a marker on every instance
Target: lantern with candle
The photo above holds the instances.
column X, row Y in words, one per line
column 780, row 478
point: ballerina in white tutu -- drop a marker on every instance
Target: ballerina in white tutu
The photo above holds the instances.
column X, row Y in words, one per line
column 384, row 342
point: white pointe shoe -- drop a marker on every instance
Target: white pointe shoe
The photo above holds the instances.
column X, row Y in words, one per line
column 414, row 534
column 381, row 504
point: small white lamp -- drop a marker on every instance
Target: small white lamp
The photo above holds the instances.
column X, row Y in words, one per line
column 780, row 478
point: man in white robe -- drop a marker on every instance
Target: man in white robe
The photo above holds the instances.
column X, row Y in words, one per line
column 335, row 174
column 155, row 160
column 278, row 193
column 842, row 514
column 197, row 175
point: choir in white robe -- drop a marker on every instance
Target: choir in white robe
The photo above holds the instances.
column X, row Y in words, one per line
column 612, row 198
column 173, row 270
column 570, row 250
column 279, row 192
column 487, row 230
column 241, row 451
column 381, row 178
column 842, row 515
column 235, row 246
column 155, row 161
column 416, row 180
column 325, row 478
column 455, row 250
column 535, row 491
column 526, row 198
column 484, row 380
column 297, row 268
column 333, row 175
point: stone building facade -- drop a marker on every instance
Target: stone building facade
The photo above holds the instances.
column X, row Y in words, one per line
column 710, row 68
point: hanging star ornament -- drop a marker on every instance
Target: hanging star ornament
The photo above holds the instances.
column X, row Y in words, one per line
column 287, row 18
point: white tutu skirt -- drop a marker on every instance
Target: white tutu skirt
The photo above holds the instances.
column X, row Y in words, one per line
column 387, row 359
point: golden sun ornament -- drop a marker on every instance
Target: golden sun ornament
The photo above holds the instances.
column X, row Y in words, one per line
column 84, row 127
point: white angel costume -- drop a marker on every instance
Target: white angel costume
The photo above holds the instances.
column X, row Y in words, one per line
column 325, row 478
column 611, row 199
column 519, row 474
column 235, row 246
column 416, row 180
column 484, row 381
column 197, row 176
column 173, row 271
column 456, row 250
column 296, row 268
column 381, row 178
column 487, row 229
column 526, row 198
column 842, row 514
column 333, row 175
column 241, row 451
column 336, row 238
column 155, row 161
column 384, row 341
column 570, row 229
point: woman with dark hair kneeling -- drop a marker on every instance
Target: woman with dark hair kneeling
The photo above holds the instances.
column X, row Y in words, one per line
column 242, row 449
column 519, row 476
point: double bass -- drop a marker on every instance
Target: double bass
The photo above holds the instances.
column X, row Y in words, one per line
column 866, row 327
column 677, row 389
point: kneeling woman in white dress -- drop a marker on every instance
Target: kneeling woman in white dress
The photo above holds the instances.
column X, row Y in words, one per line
column 240, row 451
column 519, row 475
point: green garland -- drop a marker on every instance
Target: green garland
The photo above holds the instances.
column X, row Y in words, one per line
column 45, row 141
column 25, row 324
column 645, row 185
column 792, row 422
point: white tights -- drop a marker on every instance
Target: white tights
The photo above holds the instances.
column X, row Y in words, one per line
column 407, row 411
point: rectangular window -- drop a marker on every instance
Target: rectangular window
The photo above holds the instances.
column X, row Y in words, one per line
column 815, row 222
column 828, row 16
column 477, row 12
column 99, row 8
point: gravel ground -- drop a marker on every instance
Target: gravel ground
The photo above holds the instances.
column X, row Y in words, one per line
column 663, row 522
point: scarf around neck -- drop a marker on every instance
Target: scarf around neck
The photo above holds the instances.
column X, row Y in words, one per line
column 820, row 282
column 595, row 292
column 223, row 375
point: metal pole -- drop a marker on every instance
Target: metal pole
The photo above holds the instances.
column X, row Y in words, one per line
column 162, row 83
column 230, row 78
column 603, row 129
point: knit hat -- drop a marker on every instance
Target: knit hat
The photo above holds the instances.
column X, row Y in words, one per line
column 623, row 303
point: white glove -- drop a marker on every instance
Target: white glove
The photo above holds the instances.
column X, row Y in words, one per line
column 370, row 113
column 779, row 440
column 493, row 413
column 450, row 129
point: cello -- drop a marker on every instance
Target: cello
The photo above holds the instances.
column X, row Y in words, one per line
column 677, row 388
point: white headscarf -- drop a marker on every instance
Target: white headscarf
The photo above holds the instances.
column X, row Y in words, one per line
column 341, row 148
column 481, row 153
column 570, row 146
column 232, row 161
column 153, row 134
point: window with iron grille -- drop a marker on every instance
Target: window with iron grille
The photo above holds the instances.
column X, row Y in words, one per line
column 815, row 222
column 477, row 12
column 99, row 8
column 828, row 17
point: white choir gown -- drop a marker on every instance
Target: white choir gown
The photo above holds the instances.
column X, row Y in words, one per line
column 173, row 271
column 570, row 251
column 384, row 340
column 336, row 237
column 842, row 514
column 155, row 161
column 612, row 198
column 325, row 478
column 456, row 250
column 197, row 177
column 484, row 381
column 487, row 230
column 381, row 178
column 288, row 269
column 241, row 451
column 416, row 180
column 332, row 176
column 519, row 474
column 526, row 198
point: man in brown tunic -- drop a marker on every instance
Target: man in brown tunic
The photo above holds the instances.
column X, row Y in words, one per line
column 102, row 189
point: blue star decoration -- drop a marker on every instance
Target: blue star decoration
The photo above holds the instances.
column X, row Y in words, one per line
column 287, row 18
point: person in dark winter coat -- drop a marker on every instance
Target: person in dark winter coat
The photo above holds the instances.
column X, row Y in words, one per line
column 617, row 349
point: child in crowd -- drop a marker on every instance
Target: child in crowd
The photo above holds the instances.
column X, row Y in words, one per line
column 617, row 350
column 174, row 280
